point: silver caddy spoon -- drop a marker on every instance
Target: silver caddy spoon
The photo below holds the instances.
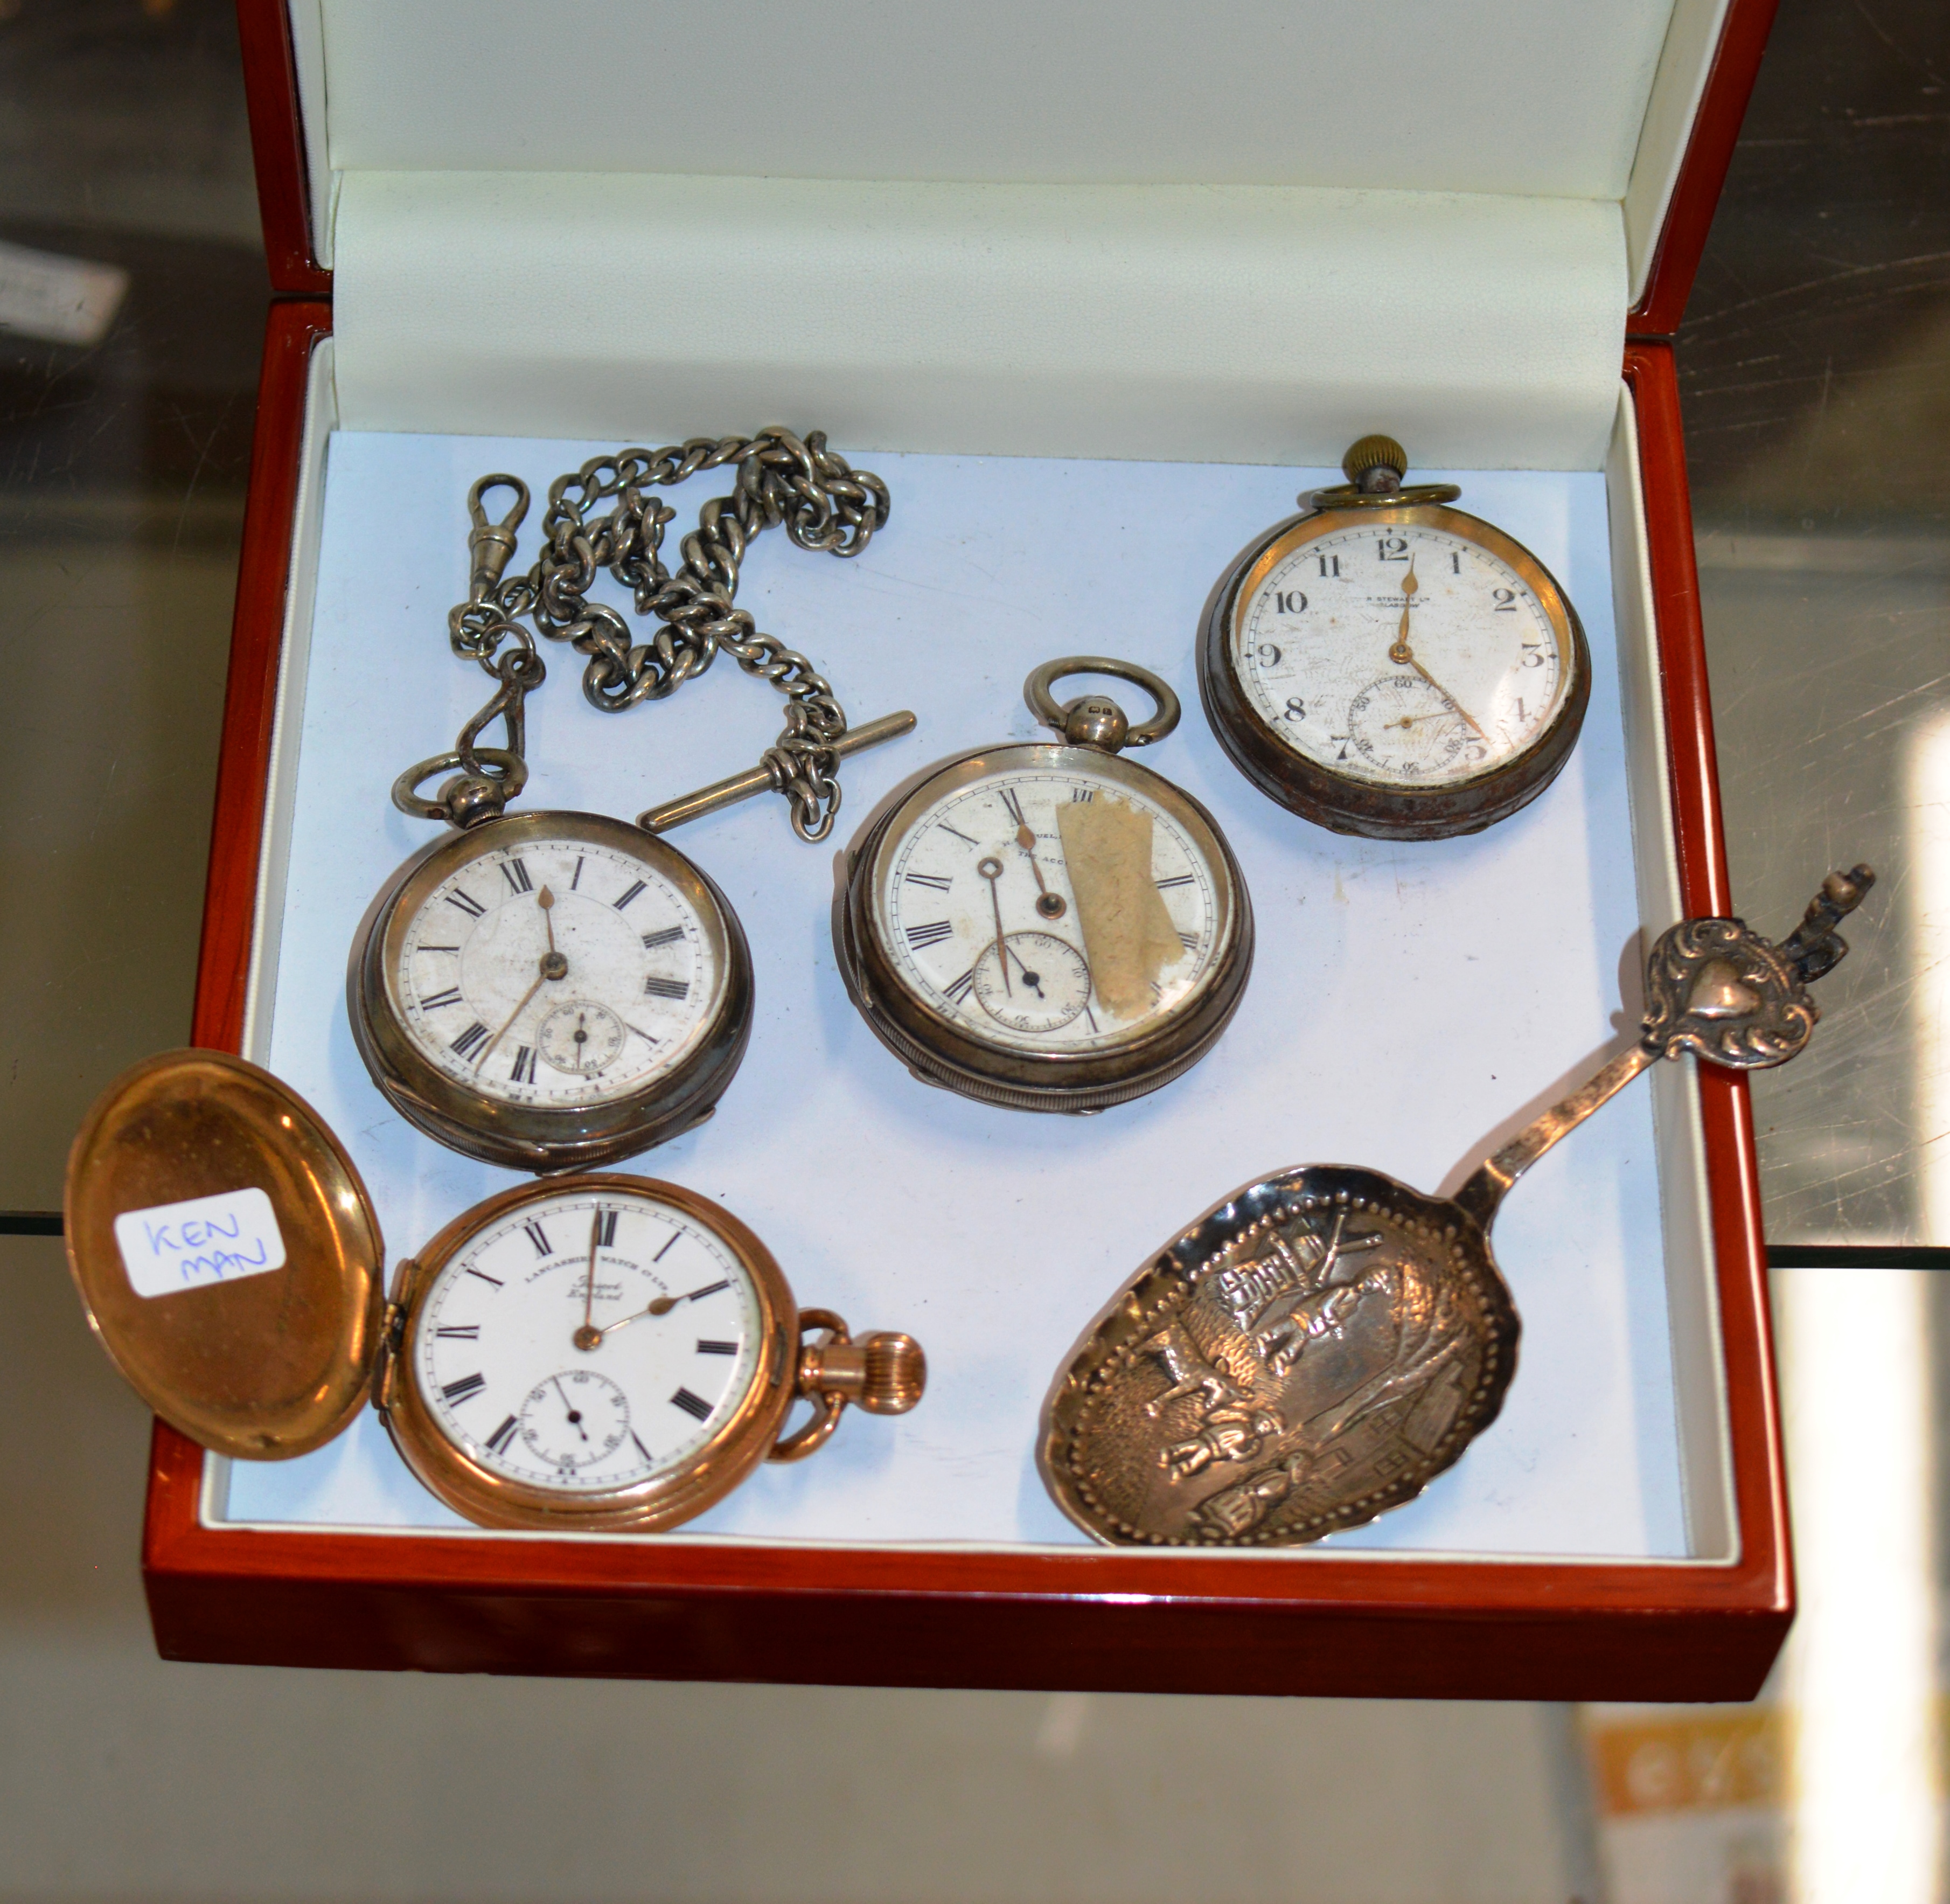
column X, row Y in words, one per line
column 1321, row 1345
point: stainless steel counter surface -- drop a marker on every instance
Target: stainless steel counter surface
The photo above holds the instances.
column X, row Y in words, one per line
column 1814, row 363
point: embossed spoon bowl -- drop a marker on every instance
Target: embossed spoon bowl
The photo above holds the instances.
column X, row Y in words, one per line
column 1321, row 1345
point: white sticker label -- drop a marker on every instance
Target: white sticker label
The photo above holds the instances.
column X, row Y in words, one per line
column 199, row 1243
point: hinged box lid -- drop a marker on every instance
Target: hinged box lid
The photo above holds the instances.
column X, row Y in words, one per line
column 1203, row 236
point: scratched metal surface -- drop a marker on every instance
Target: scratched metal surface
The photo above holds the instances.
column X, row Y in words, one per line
column 1815, row 365
column 122, row 473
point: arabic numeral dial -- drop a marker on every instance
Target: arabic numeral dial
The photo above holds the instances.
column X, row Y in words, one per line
column 1406, row 655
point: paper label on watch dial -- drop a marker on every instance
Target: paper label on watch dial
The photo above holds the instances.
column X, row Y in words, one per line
column 200, row 1243
column 1128, row 934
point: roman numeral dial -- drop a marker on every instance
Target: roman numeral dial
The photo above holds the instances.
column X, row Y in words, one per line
column 990, row 925
column 583, row 1340
column 563, row 974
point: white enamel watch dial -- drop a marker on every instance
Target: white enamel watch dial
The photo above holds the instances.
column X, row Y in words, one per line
column 1049, row 927
column 608, row 1352
column 983, row 924
column 590, row 1353
column 552, row 990
column 555, row 972
column 541, row 1374
column 1388, row 665
column 1407, row 656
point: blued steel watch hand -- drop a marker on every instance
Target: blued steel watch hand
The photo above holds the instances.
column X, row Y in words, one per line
column 1033, row 979
column 574, row 1414
column 1051, row 905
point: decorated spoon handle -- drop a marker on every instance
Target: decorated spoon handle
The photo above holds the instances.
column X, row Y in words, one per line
column 1714, row 987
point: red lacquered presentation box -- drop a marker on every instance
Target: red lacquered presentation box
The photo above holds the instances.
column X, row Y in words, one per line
column 1703, row 1625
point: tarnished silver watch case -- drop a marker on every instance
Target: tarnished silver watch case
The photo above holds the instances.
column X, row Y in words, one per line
column 528, row 1137
column 1342, row 802
column 938, row 1050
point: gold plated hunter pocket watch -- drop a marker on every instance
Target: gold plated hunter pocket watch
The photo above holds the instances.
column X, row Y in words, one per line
column 1388, row 665
column 1317, row 1349
column 1049, row 927
column 559, row 991
column 597, row 1352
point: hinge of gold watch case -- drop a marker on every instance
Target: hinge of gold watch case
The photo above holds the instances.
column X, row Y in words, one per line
column 392, row 1334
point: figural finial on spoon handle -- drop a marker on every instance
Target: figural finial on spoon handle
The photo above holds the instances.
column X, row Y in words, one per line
column 1714, row 987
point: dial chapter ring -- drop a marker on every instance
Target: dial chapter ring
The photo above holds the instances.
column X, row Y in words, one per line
column 1377, row 810
column 736, row 1446
column 545, row 1138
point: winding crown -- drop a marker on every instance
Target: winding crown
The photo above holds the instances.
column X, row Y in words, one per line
column 1374, row 453
column 896, row 1374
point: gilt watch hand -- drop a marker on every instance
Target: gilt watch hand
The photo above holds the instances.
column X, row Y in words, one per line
column 1404, row 656
column 661, row 1306
column 1453, row 702
column 589, row 1336
column 1399, row 653
column 991, row 870
column 510, row 1019
column 552, row 965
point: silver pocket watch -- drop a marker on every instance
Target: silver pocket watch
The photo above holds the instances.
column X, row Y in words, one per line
column 1386, row 664
column 552, row 991
column 1048, row 926
column 557, row 991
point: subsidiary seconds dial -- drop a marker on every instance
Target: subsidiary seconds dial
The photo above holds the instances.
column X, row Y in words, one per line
column 1050, row 928
column 588, row 1341
column 979, row 912
column 552, row 989
column 1385, row 665
column 1401, row 656
column 591, row 1351
column 555, row 971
